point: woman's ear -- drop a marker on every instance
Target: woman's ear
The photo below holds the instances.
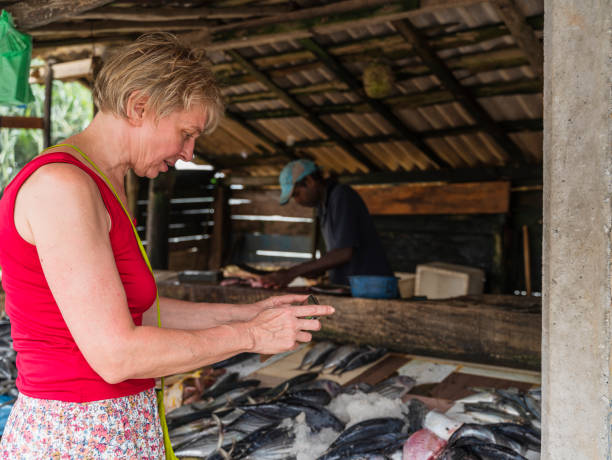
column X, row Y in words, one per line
column 135, row 108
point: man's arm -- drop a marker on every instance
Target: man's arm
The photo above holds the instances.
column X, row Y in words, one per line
column 332, row 259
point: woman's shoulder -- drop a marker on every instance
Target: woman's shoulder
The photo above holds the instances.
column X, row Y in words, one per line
column 55, row 183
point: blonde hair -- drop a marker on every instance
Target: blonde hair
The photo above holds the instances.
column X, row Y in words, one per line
column 172, row 75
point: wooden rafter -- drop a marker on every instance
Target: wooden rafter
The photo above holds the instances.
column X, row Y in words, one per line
column 96, row 28
column 381, row 108
column 174, row 14
column 509, row 126
column 29, row 14
column 460, row 92
column 304, row 112
column 323, row 19
column 526, row 173
column 522, row 32
column 410, row 100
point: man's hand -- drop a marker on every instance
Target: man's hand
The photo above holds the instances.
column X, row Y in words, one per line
column 277, row 279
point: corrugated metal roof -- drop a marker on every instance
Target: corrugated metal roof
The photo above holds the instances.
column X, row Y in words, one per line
column 344, row 130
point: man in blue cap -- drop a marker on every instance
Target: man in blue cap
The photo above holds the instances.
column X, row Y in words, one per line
column 353, row 245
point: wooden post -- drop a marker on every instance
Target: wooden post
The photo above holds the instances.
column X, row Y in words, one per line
column 47, row 107
column 158, row 212
column 221, row 227
column 527, row 259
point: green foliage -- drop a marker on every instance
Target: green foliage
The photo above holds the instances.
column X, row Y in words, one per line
column 71, row 112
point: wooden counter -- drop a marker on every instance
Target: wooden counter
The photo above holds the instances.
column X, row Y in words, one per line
column 489, row 329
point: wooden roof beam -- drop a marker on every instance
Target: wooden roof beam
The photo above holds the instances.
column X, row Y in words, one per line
column 522, row 32
column 304, row 112
column 461, row 93
column 337, row 68
column 525, row 173
column 510, row 126
column 174, row 14
column 94, row 28
column 329, row 18
column 410, row 101
column 29, row 14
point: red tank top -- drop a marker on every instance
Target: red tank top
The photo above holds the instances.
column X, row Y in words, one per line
column 49, row 363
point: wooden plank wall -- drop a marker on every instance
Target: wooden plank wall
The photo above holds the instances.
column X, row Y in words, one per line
column 437, row 198
column 191, row 216
column 260, row 222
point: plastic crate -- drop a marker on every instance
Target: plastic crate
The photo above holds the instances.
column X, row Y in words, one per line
column 438, row 280
column 373, row 287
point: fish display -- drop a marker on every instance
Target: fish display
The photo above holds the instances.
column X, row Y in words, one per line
column 310, row 417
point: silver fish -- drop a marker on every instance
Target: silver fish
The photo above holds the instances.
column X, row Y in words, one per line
column 339, row 355
column 317, row 354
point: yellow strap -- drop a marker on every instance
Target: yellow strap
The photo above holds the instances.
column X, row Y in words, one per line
column 160, row 393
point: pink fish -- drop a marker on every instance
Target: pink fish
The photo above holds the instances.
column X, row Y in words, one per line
column 423, row 445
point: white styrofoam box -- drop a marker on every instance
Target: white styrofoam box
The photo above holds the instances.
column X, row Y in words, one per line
column 439, row 280
column 405, row 284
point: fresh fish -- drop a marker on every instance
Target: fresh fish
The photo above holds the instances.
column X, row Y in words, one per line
column 207, row 445
column 423, row 445
column 314, row 396
column 357, row 387
column 317, row 355
column 223, row 389
column 377, row 444
column 492, row 413
column 366, row 357
column 521, row 433
column 494, row 452
column 256, row 440
column 394, row 387
column 368, row 429
column 317, row 418
column 458, row 453
column 251, row 421
column 500, row 441
column 338, row 356
column 287, row 385
column 417, row 411
column 533, row 406
column 279, row 449
column 333, row 388
column 233, row 360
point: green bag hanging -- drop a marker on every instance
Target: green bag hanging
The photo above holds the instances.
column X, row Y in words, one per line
column 15, row 54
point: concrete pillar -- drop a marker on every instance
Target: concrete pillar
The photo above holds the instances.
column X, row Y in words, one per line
column 577, row 280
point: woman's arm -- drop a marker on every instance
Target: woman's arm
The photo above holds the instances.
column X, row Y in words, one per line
column 181, row 314
column 61, row 212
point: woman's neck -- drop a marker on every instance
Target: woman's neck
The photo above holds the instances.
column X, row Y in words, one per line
column 104, row 145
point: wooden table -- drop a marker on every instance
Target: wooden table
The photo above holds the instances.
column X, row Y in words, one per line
column 489, row 329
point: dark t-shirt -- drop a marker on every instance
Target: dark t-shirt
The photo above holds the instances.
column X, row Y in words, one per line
column 346, row 222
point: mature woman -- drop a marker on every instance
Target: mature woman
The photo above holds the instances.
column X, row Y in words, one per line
column 79, row 293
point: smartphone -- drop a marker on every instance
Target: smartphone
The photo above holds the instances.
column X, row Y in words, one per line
column 311, row 300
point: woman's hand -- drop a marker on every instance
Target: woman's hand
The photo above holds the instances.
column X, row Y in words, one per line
column 280, row 300
column 278, row 329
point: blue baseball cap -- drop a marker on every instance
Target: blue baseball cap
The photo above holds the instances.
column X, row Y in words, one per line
column 294, row 172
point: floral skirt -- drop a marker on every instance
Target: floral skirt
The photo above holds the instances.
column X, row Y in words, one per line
column 119, row 428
